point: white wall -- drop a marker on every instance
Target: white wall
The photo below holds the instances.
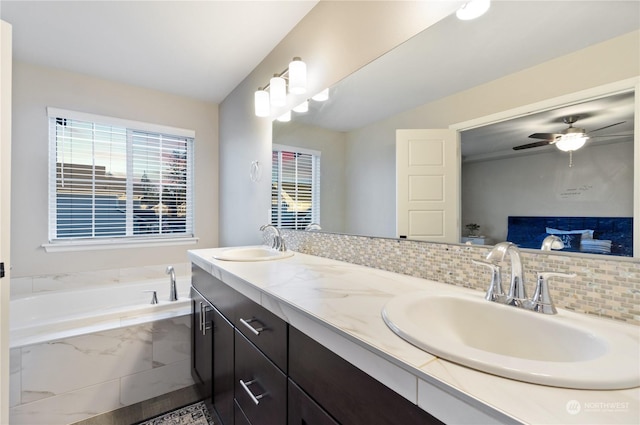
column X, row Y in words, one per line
column 331, row 145
column 334, row 39
column 34, row 89
column 539, row 185
column 611, row 61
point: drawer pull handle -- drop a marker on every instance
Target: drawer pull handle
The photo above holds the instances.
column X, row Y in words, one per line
column 256, row 331
column 206, row 325
column 254, row 398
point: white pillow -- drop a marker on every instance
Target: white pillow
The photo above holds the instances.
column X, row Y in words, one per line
column 586, row 233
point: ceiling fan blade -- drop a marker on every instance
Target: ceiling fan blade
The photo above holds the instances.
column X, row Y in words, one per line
column 612, row 135
column 534, row 145
column 607, row 126
column 545, row 136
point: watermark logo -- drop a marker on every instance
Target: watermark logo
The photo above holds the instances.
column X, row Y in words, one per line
column 573, row 407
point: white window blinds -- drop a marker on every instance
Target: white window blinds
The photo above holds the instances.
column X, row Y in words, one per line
column 116, row 181
column 295, row 187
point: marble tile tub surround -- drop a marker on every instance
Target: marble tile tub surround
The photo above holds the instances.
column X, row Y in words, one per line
column 606, row 287
column 71, row 379
column 28, row 285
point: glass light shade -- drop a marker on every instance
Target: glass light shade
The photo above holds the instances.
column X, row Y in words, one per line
column 303, row 107
column 261, row 103
column 473, row 9
column 571, row 142
column 297, row 76
column 286, row 117
column 278, row 90
column 322, row 96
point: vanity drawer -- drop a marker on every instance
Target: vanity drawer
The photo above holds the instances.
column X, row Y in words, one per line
column 260, row 387
column 266, row 330
column 216, row 292
column 344, row 391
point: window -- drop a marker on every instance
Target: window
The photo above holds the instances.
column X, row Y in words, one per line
column 295, row 187
column 113, row 179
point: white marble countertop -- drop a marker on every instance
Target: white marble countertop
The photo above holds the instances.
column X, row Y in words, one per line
column 339, row 304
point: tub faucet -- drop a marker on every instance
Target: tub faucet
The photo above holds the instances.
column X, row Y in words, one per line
column 278, row 241
column 173, row 290
column 517, row 295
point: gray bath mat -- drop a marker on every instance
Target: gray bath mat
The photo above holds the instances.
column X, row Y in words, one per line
column 194, row 414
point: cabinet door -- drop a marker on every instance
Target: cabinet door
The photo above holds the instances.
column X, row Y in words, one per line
column 223, row 368
column 303, row 410
column 201, row 344
column 260, row 387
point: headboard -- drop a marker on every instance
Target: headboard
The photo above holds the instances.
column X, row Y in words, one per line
column 600, row 235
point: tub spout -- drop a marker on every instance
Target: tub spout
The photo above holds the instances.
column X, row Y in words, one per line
column 173, row 291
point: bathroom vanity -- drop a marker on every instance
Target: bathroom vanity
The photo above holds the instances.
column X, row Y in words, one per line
column 301, row 340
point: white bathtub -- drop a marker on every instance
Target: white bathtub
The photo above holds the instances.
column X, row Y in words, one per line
column 48, row 316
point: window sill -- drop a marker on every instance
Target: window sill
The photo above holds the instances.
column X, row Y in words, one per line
column 91, row 245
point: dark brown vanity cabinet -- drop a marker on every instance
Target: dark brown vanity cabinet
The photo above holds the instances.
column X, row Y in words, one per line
column 265, row 372
column 201, row 344
column 260, row 387
column 350, row 395
column 303, row 410
column 213, row 343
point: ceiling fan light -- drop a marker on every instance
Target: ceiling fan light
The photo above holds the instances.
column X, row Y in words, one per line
column 571, row 142
column 473, row 9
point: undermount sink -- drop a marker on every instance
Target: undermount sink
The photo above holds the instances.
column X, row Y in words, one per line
column 564, row 350
column 252, row 253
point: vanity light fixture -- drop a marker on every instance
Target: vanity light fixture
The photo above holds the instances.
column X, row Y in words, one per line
column 473, row 9
column 275, row 93
column 278, row 90
column 286, row 117
column 261, row 103
column 297, row 76
column 322, row 96
column 302, row 108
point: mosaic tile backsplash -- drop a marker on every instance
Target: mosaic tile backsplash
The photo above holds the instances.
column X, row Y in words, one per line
column 607, row 287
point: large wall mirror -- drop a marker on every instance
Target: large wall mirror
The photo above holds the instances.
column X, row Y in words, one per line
column 355, row 128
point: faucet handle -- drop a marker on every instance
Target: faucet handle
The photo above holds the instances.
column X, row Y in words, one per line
column 154, row 297
column 495, row 292
column 541, row 301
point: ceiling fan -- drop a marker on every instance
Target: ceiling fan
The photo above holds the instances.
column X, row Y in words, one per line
column 569, row 139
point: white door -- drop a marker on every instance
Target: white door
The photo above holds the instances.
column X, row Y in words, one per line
column 5, row 198
column 428, row 185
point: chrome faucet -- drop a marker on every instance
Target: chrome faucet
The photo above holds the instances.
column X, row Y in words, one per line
column 173, row 290
column 495, row 291
column 552, row 242
column 540, row 302
column 517, row 295
column 278, row 241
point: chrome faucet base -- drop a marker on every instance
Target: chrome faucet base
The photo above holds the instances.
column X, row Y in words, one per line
column 278, row 241
column 540, row 302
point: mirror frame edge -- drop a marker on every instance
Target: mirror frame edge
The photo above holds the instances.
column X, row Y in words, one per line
column 626, row 85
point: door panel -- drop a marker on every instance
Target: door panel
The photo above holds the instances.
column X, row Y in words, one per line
column 428, row 185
